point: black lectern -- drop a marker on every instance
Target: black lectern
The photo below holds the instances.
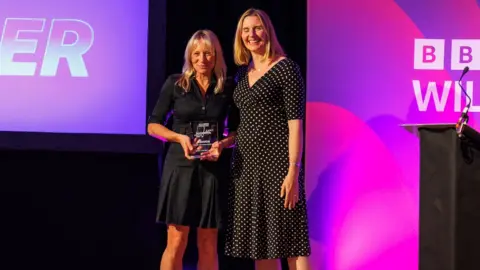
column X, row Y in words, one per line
column 449, row 197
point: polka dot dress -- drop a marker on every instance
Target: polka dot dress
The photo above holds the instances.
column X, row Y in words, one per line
column 259, row 227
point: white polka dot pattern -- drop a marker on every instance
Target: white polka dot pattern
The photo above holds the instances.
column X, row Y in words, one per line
column 259, row 227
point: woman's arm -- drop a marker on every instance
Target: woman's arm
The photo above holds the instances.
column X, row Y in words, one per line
column 162, row 133
column 164, row 106
column 159, row 115
column 229, row 140
column 295, row 144
column 294, row 101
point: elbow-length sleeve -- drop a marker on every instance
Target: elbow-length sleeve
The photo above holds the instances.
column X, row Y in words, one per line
column 294, row 94
column 164, row 103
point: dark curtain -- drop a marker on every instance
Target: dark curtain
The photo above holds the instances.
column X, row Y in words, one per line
column 71, row 210
column 187, row 16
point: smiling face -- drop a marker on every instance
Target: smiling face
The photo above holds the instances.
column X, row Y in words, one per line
column 203, row 58
column 254, row 36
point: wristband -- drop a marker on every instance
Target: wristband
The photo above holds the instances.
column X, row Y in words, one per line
column 296, row 164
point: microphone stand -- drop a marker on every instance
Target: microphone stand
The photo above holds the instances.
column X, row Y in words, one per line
column 463, row 120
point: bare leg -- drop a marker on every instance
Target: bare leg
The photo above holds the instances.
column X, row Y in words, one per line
column 207, row 249
column 268, row 265
column 177, row 237
column 298, row 263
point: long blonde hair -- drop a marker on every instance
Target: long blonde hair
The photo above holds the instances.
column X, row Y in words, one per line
column 220, row 68
column 273, row 50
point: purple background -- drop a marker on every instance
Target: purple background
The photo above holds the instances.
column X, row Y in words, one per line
column 362, row 167
column 111, row 100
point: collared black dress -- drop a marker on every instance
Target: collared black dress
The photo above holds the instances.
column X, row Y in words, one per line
column 191, row 190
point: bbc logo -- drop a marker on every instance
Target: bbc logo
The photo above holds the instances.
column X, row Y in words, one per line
column 429, row 54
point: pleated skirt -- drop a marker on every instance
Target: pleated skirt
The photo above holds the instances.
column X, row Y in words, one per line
column 192, row 193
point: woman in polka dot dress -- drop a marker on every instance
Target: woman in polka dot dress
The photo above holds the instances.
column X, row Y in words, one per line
column 268, row 213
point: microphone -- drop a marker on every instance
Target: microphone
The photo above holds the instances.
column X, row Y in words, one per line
column 463, row 120
column 465, row 70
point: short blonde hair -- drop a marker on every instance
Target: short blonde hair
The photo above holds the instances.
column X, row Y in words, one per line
column 241, row 54
column 220, row 68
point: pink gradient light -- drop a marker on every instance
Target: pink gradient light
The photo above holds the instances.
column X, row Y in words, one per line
column 362, row 166
column 372, row 211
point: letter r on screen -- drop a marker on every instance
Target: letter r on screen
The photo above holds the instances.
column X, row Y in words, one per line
column 57, row 48
column 429, row 54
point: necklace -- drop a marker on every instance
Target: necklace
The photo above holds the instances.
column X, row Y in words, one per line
column 255, row 69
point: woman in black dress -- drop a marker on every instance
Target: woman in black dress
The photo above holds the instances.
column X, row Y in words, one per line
column 190, row 186
column 268, row 212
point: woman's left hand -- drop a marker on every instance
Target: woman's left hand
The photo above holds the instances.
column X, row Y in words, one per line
column 290, row 190
column 213, row 153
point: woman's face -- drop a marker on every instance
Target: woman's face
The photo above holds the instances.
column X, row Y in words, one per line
column 203, row 58
column 253, row 34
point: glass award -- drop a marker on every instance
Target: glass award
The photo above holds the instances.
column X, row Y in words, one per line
column 205, row 133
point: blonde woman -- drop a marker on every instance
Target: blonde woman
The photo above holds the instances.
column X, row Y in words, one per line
column 189, row 190
column 268, row 212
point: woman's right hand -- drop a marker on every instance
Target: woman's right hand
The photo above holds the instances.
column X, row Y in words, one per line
column 187, row 146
